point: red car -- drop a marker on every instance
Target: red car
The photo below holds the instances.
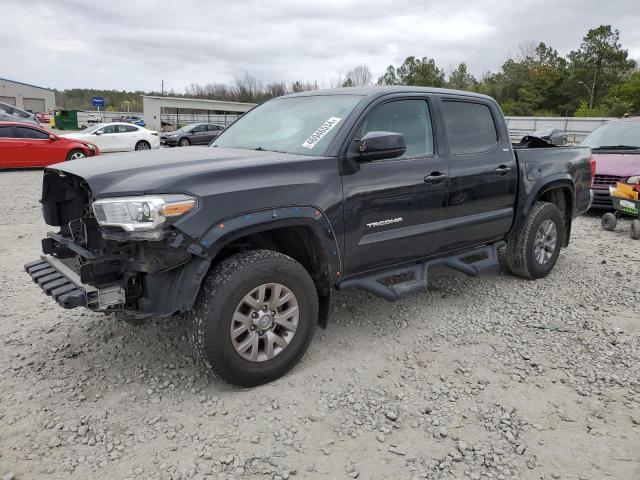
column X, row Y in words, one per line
column 25, row 145
column 43, row 117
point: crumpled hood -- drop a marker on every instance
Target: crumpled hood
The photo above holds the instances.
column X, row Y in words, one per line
column 618, row 164
column 185, row 170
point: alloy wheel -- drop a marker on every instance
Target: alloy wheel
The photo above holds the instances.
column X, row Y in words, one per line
column 545, row 242
column 264, row 322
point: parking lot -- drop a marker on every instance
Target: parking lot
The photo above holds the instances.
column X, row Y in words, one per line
column 492, row 377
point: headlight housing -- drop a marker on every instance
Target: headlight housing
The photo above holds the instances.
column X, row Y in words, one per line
column 145, row 216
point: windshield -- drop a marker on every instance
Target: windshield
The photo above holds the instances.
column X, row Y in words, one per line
column 617, row 134
column 186, row 128
column 298, row 125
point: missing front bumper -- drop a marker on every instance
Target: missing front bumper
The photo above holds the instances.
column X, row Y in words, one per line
column 64, row 285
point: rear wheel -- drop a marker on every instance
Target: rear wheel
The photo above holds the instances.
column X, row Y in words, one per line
column 254, row 317
column 184, row 142
column 609, row 221
column 75, row 154
column 635, row 229
column 143, row 145
column 534, row 250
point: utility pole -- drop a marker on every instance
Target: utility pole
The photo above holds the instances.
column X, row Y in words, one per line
column 590, row 91
column 162, row 89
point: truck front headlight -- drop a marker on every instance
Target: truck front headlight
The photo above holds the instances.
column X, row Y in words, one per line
column 144, row 216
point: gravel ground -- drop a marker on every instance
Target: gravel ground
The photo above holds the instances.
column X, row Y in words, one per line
column 493, row 377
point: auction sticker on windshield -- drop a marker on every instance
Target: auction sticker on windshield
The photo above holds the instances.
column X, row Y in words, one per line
column 321, row 132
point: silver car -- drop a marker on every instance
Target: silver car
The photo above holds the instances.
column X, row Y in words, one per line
column 554, row 136
column 9, row 113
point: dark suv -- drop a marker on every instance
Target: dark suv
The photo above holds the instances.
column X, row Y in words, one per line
column 194, row 134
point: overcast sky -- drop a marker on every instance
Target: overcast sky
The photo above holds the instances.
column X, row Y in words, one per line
column 133, row 44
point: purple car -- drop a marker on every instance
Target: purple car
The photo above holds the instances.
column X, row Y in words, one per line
column 616, row 150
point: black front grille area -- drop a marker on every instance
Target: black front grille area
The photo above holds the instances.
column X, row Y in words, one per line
column 606, row 180
column 64, row 198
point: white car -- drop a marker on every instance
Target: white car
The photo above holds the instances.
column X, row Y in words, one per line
column 118, row 137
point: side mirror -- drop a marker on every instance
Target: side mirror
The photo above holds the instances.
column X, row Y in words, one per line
column 98, row 132
column 52, row 137
column 380, row 146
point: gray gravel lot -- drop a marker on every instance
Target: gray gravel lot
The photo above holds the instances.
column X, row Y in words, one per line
column 493, row 377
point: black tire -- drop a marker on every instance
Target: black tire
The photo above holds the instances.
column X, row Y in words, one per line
column 609, row 221
column 221, row 292
column 143, row 145
column 76, row 154
column 184, row 142
column 521, row 246
column 635, row 229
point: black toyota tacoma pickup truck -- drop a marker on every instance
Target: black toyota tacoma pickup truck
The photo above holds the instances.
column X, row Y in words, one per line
column 307, row 193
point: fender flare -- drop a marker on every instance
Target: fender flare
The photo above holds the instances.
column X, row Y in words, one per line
column 217, row 236
column 561, row 180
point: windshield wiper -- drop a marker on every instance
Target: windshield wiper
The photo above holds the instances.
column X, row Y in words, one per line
column 260, row 149
column 616, row 147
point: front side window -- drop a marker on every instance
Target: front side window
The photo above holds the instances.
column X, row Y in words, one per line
column 200, row 128
column 303, row 125
column 470, row 126
column 109, row 129
column 411, row 118
column 24, row 132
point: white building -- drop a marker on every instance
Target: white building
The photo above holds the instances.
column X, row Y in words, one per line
column 27, row 97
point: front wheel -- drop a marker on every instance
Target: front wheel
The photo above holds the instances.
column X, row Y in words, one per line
column 143, row 145
column 533, row 251
column 184, row 142
column 254, row 317
column 76, row 154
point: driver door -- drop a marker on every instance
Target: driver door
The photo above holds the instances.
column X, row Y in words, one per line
column 106, row 140
column 394, row 208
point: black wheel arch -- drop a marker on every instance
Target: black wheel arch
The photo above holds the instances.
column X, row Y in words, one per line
column 557, row 189
column 304, row 233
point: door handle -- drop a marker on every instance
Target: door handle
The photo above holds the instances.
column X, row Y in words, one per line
column 435, row 178
column 502, row 170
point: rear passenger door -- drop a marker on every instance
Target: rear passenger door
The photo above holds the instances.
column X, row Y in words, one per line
column 482, row 171
column 200, row 135
column 11, row 148
column 393, row 208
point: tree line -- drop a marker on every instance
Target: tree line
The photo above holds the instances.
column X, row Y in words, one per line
column 596, row 79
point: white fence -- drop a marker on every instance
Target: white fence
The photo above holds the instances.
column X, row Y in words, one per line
column 576, row 127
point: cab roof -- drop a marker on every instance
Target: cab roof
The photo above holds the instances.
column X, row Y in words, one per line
column 378, row 91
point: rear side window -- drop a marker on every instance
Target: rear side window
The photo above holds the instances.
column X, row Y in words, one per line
column 470, row 125
column 24, row 132
column 6, row 132
column 126, row 128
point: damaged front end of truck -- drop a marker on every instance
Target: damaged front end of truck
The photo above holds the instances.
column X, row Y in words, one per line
column 118, row 255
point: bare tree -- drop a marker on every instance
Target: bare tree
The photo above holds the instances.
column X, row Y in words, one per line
column 359, row 76
column 276, row 89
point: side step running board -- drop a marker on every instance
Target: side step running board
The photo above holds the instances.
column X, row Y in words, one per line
column 420, row 271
